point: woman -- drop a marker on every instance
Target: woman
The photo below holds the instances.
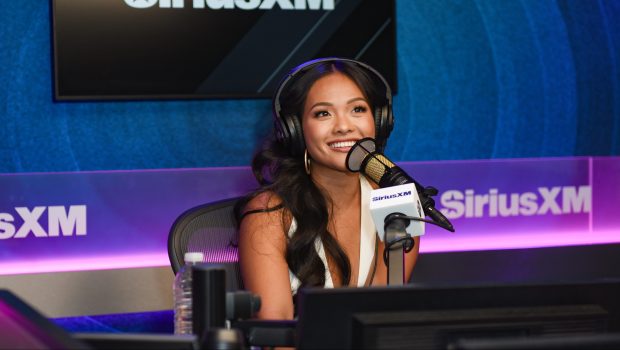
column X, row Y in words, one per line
column 309, row 223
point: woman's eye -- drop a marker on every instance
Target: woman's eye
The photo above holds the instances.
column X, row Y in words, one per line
column 321, row 114
column 360, row 109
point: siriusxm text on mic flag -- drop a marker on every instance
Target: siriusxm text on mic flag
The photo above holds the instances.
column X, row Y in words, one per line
column 401, row 199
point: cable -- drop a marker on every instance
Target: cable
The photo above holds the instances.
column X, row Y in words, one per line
column 409, row 242
column 407, row 246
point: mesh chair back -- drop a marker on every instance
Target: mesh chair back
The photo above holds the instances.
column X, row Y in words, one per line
column 211, row 229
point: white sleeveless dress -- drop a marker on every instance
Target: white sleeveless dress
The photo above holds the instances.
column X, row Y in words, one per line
column 367, row 243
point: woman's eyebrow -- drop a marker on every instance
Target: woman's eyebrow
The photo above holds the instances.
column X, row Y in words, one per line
column 356, row 99
column 329, row 104
column 321, row 104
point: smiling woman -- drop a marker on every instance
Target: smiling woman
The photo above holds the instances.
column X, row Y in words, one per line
column 309, row 224
column 336, row 114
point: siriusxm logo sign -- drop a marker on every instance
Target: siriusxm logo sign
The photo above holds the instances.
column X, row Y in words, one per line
column 555, row 200
column 395, row 195
column 60, row 221
column 236, row 4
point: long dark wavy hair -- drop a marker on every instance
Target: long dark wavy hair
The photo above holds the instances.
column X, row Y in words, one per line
column 281, row 173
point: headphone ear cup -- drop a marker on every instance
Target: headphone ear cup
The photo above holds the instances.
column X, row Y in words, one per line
column 294, row 135
column 384, row 123
column 281, row 132
column 378, row 122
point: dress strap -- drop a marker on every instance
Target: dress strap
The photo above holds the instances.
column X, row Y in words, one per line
column 368, row 234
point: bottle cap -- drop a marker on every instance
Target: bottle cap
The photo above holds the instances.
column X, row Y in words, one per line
column 193, row 257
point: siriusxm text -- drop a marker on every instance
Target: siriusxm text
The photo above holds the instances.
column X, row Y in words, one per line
column 61, row 221
column 236, row 4
column 545, row 200
column 395, row 195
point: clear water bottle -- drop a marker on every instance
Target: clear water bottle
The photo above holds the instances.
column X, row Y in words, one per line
column 182, row 290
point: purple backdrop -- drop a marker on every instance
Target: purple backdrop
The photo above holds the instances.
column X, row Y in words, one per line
column 98, row 220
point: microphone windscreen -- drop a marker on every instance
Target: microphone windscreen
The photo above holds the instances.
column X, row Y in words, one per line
column 360, row 150
column 376, row 167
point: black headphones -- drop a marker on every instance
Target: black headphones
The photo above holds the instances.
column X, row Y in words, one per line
column 288, row 128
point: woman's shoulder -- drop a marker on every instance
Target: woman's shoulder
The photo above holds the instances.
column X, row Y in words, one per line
column 265, row 213
column 263, row 201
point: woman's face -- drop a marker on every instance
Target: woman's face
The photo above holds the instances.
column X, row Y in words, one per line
column 336, row 114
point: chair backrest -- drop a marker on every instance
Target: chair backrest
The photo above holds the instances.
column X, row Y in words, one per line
column 211, row 229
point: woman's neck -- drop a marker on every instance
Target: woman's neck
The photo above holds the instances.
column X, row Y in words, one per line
column 342, row 187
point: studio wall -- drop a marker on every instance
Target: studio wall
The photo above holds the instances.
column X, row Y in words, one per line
column 477, row 79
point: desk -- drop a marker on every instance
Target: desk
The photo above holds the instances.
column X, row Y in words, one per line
column 162, row 323
column 159, row 322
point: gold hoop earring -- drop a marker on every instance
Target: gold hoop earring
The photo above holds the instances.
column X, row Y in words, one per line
column 307, row 162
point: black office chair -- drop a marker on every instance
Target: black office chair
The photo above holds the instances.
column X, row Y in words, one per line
column 211, row 229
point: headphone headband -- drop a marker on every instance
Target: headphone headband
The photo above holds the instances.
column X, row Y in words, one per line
column 307, row 65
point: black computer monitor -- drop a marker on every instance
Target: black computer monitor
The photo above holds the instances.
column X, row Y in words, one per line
column 22, row 327
column 138, row 341
column 434, row 317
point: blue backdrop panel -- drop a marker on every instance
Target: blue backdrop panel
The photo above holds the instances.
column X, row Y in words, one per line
column 477, row 79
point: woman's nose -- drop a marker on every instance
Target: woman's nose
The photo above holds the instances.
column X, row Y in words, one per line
column 342, row 124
